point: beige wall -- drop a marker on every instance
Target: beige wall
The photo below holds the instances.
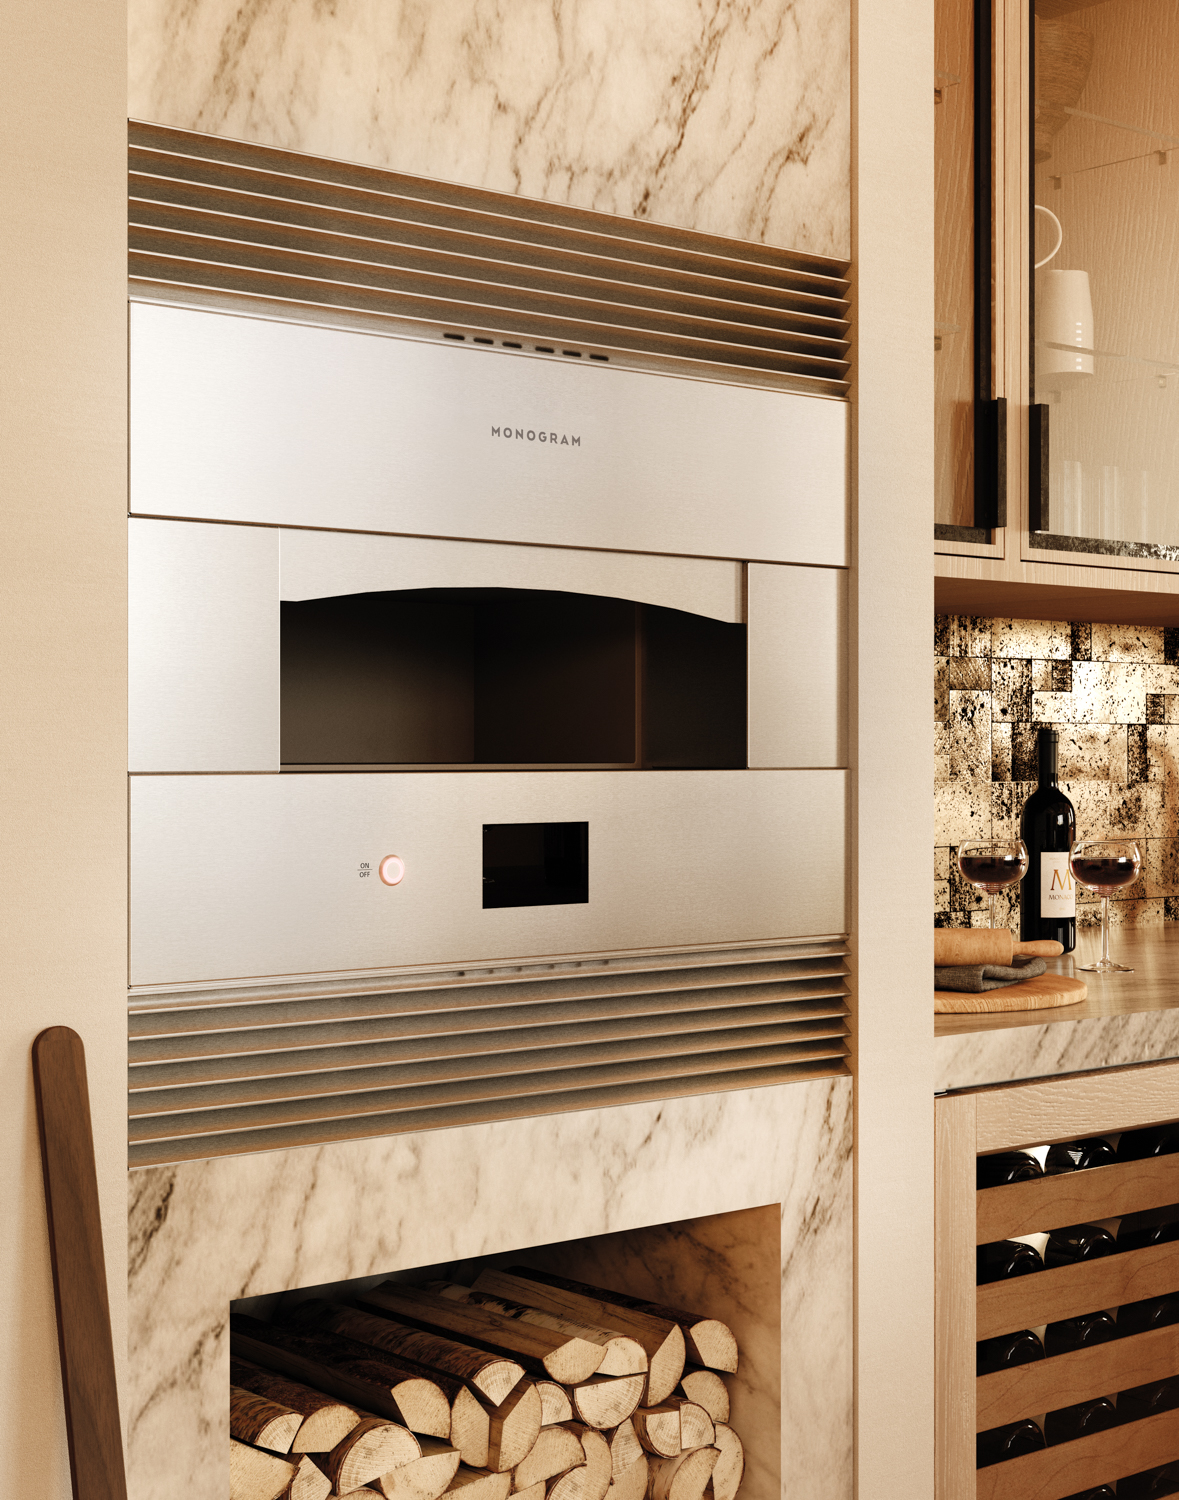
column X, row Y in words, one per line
column 892, row 217
column 62, row 622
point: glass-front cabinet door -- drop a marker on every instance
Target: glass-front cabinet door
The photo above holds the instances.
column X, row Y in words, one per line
column 1104, row 431
column 970, row 467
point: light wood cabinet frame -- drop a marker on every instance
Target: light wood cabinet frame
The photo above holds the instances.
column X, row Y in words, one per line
column 1012, row 1117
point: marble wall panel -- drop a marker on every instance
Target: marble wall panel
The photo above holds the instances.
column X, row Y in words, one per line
column 728, row 118
column 203, row 1234
column 1112, row 693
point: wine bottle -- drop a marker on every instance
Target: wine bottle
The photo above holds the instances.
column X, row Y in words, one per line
column 1047, row 899
column 1154, row 1140
column 1146, row 1400
column 1079, row 1156
column 1008, row 1349
column 1153, row 1226
column 1070, row 1422
column 1002, row 1167
column 1078, row 1242
column 1012, row 1441
column 1151, row 1312
column 1068, row 1334
column 1006, row 1258
column 1150, row 1483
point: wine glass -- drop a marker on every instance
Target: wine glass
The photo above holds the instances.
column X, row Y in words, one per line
column 1104, row 866
column 992, row 864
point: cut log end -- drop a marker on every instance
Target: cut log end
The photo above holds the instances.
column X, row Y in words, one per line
column 255, row 1475
column 479, row 1484
column 667, row 1366
column 682, row 1478
column 555, row 1451
column 309, row 1483
column 515, row 1427
column 265, row 1424
column 424, row 1478
column 603, row 1402
column 555, row 1405
column 373, row 1448
column 631, row 1484
column 711, row 1343
column 325, row 1421
column 730, row 1466
column 624, row 1356
column 625, row 1448
column 707, row 1389
column 470, row 1429
column 598, row 1464
column 658, row 1430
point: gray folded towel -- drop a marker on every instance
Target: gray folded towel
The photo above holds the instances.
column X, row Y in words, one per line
column 979, row 977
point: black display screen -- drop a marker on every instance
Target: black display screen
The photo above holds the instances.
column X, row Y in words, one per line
column 535, row 864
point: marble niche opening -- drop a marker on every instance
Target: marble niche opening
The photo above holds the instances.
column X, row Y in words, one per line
column 724, row 1266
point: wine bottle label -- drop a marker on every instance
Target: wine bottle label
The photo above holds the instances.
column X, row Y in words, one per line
column 1058, row 896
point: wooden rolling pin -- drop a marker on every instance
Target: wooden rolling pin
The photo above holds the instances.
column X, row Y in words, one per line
column 984, row 945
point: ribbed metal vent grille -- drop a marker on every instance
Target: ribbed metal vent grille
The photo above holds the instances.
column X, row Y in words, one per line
column 233, row 226
column 215, row 1074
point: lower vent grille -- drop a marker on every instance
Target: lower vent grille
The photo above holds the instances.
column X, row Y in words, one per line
column 252, row 229
column 221, row 1073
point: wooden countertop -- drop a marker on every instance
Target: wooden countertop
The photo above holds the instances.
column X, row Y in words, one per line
column 1125, row 1019
column 1154, row 984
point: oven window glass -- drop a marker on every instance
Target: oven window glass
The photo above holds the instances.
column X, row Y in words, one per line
column 467, row 678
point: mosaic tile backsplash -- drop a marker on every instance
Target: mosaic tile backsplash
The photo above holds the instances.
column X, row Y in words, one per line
column 1112, row 694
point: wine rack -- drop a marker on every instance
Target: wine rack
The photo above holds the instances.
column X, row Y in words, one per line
column 1016, row 1117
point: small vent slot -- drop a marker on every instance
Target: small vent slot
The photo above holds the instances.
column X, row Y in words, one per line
column 223, row 1072
column 230, row 226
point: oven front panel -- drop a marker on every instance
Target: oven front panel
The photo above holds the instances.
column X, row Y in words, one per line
column 282, row 424
column 237, row 877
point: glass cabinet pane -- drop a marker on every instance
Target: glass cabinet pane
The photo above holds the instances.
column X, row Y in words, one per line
column 1105, row 371
column 954, row 262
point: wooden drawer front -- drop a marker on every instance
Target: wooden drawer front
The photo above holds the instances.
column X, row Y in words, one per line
column 968, row 1124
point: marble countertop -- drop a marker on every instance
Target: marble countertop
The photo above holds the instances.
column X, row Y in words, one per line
column 1126, row 1018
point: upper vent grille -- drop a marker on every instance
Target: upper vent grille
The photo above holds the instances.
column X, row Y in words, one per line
column 215, row 1074
column 255, row 229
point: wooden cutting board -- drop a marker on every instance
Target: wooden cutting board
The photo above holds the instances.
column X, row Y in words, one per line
column 1029, row 994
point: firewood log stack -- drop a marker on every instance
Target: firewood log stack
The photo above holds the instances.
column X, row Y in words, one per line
column 524, row 1386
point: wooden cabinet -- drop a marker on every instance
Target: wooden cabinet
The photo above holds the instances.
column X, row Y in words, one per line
column 1083, row 123
column 1015, row 1117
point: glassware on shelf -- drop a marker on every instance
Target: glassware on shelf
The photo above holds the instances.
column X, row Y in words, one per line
column 993, row 864
column 1104, row 866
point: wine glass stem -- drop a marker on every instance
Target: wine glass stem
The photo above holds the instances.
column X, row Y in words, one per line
column 992, row 908
column 1105, row 929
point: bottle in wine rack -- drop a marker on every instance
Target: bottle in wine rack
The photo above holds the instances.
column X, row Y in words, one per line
column 1012, row 1441
column 1146, row 1400
column 1154, row 1226
column 1078, row 1242
column 1079, row 1156
column 1151, row 1312
column 1008, row 1349
column 1086, row 1417
column 1150, row 1484
column 1154, row 1140
column 1006, row 1258
column 1047, row 899
column 1081, row 1333
column 1002, row 1167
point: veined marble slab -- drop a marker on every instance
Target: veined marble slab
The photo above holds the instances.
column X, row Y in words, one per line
column 1057, row 1046
column 205, row 1233
column 729, row 118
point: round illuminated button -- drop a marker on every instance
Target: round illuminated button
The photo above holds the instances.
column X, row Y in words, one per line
column 392, row 869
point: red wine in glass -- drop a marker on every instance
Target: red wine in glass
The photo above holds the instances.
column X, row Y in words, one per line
column 1105, row 875
column 1104, row 866
column 992, row 864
